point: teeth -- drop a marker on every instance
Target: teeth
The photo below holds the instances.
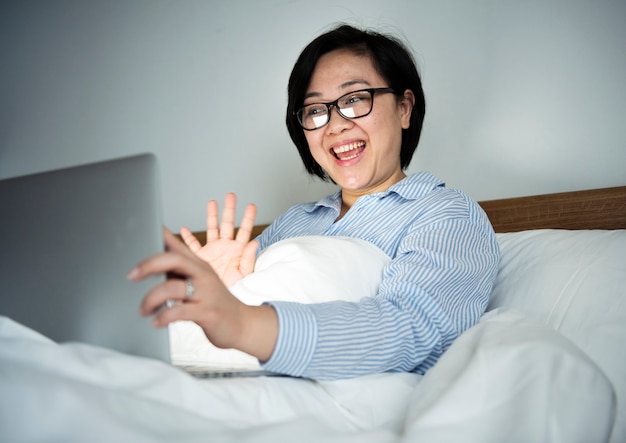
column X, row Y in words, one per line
column 348, row 147
column 350, row 157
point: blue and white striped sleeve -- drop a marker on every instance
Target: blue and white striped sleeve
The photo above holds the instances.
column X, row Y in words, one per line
column 436, row 287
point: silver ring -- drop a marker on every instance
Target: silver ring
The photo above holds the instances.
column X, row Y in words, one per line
column 189, row 288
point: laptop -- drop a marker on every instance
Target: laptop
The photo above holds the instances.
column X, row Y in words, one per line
column 68, row 238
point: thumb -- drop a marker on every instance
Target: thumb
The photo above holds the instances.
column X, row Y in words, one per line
column 248, row 258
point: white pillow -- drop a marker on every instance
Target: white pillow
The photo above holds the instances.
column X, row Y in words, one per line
column 575, row 282
column 314, row 269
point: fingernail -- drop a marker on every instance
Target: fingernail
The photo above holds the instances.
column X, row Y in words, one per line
column 133, row 274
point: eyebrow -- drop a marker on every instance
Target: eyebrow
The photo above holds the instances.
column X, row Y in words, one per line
column 342, row 86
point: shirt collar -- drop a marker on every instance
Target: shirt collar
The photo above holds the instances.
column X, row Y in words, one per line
column 415, row 185
column 409, row 188
column 332, row 201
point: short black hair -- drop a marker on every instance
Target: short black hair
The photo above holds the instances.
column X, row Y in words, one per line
column 391, row 59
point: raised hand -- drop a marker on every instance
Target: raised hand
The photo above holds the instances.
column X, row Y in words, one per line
column 231, row 257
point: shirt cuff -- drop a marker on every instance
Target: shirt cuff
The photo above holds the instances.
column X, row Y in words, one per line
column 297, row 339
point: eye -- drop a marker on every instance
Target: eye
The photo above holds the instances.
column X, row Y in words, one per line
column 354, row 98
column 313, row 110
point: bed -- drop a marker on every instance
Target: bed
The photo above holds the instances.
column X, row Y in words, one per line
column 547, row 362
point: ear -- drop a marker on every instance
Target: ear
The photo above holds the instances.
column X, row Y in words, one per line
column 405, row 105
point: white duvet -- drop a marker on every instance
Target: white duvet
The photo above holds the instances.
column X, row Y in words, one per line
column 507, row 379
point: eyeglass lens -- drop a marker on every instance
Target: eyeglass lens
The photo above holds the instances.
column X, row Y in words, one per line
column 352, row 105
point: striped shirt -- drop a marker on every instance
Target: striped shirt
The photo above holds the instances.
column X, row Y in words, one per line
column 444, row 258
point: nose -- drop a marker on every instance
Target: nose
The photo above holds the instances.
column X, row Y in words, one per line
column 336, row 122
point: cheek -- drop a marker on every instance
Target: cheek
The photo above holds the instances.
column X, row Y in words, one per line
column 315, row 144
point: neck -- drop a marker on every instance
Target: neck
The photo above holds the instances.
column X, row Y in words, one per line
column 350, row 196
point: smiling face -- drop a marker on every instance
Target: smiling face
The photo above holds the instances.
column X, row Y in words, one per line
column 360, row 155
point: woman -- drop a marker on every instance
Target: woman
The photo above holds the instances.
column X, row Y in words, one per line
column 355, row 113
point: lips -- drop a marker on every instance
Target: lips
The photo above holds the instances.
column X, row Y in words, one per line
column 348, row 151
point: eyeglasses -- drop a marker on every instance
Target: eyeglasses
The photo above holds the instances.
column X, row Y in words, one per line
column 351, row 105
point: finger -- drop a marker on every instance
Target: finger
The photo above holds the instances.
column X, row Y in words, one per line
column 212, row 232
column 173, row 243
column 247, row 224
column 227, row 227
column 177, row 312
column 178, row 259
column 190, row 240
column 248, row 258
column 160, row 295
column 166, row 262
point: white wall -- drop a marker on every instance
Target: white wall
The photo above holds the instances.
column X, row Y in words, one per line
column 523, row 96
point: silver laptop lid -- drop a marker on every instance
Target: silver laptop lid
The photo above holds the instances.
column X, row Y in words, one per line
column 67, row 240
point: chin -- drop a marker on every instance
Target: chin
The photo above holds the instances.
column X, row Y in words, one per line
column 351, row 184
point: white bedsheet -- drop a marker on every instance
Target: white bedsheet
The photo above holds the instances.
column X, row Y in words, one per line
column 509, row 379
column 481, row 391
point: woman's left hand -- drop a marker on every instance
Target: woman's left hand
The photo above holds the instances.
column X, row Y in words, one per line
column 200, row 296
column 231, row 256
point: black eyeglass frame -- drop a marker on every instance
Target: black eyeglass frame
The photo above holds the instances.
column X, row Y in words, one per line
column 333, row 104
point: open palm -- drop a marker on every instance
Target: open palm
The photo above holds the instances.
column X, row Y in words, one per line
column 231, row 256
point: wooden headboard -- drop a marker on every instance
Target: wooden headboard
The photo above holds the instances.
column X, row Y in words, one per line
column 592, row 209
column 603, row 208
